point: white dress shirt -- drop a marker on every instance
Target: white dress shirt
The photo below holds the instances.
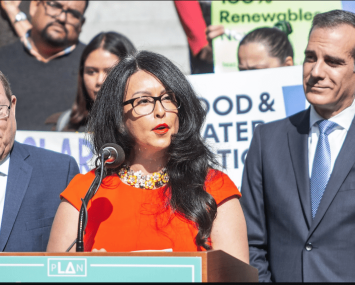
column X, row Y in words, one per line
column 4, row 172
column 336, row 138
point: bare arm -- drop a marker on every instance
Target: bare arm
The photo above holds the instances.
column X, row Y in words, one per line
column 12, row 9
column 229, row 231
column 214, row 31
column 64, row 229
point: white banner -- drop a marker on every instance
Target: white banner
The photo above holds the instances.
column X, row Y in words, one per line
column 73, row 144
column 236, row 103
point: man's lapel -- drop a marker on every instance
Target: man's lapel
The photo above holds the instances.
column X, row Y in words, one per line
column 342, row 167
column 298, row 145
column 17, row 184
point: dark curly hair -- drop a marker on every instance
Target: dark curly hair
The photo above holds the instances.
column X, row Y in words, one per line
column 189, row 157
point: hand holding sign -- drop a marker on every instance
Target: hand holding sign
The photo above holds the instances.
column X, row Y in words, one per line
column 214, row 31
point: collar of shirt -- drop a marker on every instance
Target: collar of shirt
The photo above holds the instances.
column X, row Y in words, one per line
column 26, row 42
column 343, row 119
column 4, row 166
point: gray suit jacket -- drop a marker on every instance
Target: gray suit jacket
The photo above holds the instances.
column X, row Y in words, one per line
column 285, row 243
column 36, row 178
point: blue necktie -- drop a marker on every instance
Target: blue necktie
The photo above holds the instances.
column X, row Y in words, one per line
column 321, row 164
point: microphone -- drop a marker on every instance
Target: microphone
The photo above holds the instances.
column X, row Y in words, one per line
column 113, row 155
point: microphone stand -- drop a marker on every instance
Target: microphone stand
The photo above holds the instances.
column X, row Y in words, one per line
column 100, row 173
column 111, row 155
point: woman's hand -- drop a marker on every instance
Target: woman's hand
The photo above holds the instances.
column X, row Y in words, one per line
column 99, row 250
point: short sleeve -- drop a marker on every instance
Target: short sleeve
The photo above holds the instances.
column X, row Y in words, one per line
column 78, row 188
column 220, row 186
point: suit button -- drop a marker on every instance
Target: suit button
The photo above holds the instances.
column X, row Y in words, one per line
column 309, row 246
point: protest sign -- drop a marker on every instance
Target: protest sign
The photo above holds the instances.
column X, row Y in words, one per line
column 73, row 144
column 240, row 17
column 236, row 103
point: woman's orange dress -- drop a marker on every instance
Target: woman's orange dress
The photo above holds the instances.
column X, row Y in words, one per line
column 125, row 218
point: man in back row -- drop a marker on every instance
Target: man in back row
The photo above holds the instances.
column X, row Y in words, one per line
column 299, row 177
column 43, row 66
column 31, row 180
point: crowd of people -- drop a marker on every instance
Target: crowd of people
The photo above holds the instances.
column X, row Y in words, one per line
column 46, row 65
column 294, row 218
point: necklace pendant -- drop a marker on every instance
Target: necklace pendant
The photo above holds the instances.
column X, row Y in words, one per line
column 149, row 184
column 156, row 177
column 141, row 183
column 132, row 180
column 122, row 172
column 165, row 178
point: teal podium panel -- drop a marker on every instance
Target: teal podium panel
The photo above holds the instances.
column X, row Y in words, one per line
column 100, row 269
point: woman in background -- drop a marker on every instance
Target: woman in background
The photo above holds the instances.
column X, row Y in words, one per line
column 100, row 55
column 265, row 48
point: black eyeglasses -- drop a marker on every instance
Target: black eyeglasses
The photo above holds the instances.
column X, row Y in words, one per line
column 55, row 9
column 145, row 105
column 4, row 111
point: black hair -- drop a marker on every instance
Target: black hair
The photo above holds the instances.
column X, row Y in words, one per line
column 333, row 19
column 275, row 40
column 189, row 158
column 112, row 42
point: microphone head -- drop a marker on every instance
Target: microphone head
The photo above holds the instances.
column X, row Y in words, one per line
column 114, row 155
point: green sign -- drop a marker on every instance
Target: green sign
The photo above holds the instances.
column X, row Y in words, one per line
column 241, row 17
column 100, row 269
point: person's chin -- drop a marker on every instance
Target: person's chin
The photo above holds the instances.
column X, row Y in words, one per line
column 318, row 99
column 57, row 42
column 56, row 39
column 162, row 143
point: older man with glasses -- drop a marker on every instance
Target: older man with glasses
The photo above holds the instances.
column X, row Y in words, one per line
column 31, row 180
column 43, row 65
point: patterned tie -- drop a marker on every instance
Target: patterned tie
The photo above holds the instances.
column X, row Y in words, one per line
column 321, row 164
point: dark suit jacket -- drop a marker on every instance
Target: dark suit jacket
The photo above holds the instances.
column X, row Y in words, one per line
column 285, row 243
column 35, row 180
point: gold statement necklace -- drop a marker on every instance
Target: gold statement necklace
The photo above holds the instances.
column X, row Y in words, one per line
column 138, row 180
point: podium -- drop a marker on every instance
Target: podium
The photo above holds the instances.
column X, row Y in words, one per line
column 206, row 266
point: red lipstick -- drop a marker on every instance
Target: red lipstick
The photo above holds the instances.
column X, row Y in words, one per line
column 161, row 129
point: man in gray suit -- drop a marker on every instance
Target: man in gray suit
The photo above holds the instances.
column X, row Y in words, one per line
column 299, row 177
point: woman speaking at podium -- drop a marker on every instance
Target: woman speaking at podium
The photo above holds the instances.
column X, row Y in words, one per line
column 167, row 195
